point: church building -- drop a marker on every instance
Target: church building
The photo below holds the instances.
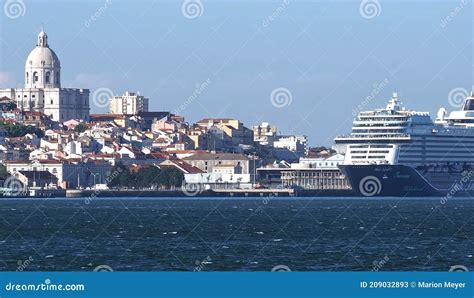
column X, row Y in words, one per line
column 42, row 91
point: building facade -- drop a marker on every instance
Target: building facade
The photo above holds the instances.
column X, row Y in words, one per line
column 231, row 131
column 316, row 173
column 42, row 91
column 208, row 161
column 129, row 104
column 69, row 174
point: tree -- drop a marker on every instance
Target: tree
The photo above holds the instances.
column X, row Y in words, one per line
column 19, row 130
column 81, row 127
column 3, row 172
column 150, row 177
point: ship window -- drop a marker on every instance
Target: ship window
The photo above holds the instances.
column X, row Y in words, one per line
column 469, row 106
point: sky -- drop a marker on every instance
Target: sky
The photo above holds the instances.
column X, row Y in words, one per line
column 306, row 67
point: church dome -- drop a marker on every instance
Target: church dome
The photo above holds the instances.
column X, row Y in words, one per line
column 42, row 56
column 42, row 68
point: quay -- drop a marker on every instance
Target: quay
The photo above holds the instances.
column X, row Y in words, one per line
column 73, row 193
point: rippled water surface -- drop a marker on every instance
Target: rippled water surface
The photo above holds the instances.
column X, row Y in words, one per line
column 323, row 234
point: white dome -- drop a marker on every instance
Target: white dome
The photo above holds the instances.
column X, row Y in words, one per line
column 42, row 67
column 42, row 57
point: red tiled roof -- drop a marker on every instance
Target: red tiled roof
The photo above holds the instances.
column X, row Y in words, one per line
column 185, row 167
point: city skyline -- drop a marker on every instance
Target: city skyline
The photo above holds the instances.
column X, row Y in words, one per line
column 168, row 51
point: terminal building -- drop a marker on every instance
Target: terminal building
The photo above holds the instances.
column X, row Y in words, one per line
column 308, row 173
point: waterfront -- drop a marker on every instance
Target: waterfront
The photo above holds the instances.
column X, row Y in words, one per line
column 218, row 234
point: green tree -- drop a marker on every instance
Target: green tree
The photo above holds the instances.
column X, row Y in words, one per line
column 147, row 177
column 81, row 127
column 3, row 172
column 19, row 130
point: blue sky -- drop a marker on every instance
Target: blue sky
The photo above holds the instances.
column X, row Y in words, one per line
column 329, row 55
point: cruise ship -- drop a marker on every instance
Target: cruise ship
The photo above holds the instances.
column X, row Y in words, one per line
column 400, row 152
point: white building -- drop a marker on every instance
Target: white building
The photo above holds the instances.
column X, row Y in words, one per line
column 42, row 91
column 316, row 173
column 69, row 174
column 128, row 104
column 218, row 180
column 298, row 144
column 264, row 134
column 319, row 163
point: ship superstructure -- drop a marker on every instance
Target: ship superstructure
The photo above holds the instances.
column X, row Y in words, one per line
column 407, row 151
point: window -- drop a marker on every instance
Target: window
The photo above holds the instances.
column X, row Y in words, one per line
column 47, row 78
column 27, row 77
column 51, row 101
column 35, row 77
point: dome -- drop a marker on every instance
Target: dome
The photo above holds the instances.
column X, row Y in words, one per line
column 42, row 56
column 42, row 67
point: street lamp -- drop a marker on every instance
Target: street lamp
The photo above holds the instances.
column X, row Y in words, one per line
column 93, row 174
